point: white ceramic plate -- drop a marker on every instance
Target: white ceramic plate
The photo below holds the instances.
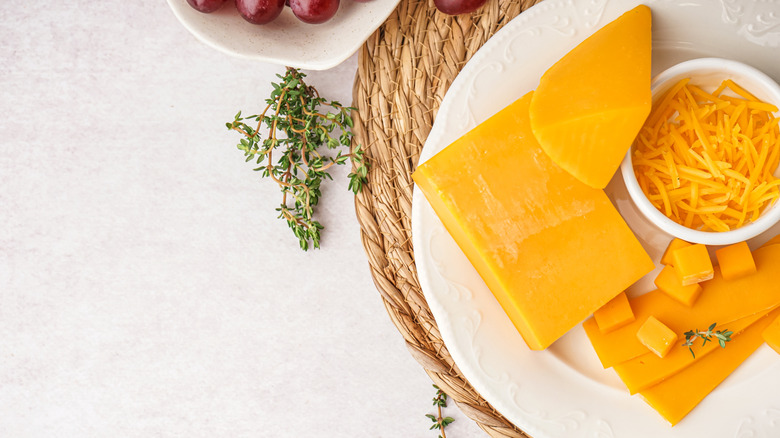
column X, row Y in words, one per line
column 563, row 391
column 287, row 40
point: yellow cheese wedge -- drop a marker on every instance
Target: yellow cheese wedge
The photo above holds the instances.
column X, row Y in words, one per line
column 647, row 370
column 551, row 249
column 591, row 104
column 721, row 301
column 676, row 396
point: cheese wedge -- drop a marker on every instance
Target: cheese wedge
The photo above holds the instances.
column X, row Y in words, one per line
column 591, row 104
column 551, row 249
column 676, row 396
column 721, row 301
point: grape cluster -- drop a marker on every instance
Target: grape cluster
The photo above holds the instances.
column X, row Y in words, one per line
column 265, row 11
column 312, row 11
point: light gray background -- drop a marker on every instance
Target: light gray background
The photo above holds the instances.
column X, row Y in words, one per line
column 146, row 287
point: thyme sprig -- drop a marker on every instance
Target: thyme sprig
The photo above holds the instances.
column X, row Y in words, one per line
column 440, row 401
column 722, row 336
column 299, row 127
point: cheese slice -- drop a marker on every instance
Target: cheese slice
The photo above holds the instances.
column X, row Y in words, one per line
column 551, row 249
column 721, row 302
column 676, row 396
column 647, row 370
column 591, row 104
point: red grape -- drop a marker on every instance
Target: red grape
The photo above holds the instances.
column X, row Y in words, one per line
column 314, row 11
column 259, row 11
column 206, row 6
column 457, row 7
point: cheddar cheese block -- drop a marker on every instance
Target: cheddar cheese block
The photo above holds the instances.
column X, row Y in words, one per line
column 551, row 249
column 721, row 301
column 676, row 396
column 591, row 104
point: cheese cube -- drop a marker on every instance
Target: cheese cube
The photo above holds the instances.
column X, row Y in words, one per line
column 692, row 264
column 670, row 283
column 676, row 243
column 736, row 261
column 615, row 314
column 771, row 335
column 656, row 336
column 525, row 225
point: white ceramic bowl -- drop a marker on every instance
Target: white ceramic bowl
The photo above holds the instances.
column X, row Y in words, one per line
column 287, row 40
column 707, row 73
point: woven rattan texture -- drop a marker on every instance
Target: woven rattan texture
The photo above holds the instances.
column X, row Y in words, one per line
column 404, row 70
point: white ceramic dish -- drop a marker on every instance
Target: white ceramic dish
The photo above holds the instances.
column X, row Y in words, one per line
column 707, row 73
column 563, row 391
column 287, row 40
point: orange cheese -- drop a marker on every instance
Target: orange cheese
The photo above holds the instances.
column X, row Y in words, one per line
column 525, row 224
column 676, row 243
column 721, row 301
column 615, row 314
column 656, row 336
column 771, row 335
column 773, row 241
column 706, row 160
column 692, row 264
column 670, row 283
column 647, row 370
column 735, row 261
column 591, row 104
column 676, row 396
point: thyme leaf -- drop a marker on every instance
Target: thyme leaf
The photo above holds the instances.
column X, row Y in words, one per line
column 300, row 127
column 722, row 336
column 440, row 401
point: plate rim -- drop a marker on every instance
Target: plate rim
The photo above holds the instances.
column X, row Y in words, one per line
column 347, row 50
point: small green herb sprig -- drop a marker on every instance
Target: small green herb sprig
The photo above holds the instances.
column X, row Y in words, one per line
column 299, row 126
column 722, row 337
column 440, row 401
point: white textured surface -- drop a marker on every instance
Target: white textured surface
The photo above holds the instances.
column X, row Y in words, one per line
column 146, row 288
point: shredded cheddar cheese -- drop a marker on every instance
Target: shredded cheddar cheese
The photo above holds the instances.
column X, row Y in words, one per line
column 706, row 159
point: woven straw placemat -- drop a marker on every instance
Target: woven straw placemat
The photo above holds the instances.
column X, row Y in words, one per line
column 404, row 70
